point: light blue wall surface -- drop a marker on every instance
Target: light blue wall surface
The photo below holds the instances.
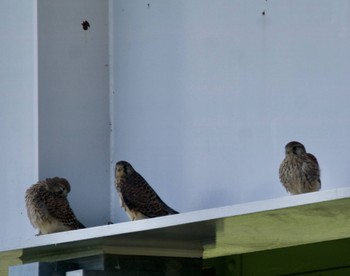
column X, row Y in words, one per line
column 54, row 111
column 204, row 97
column 207, row 95
column 18, row 115
column 74, row 118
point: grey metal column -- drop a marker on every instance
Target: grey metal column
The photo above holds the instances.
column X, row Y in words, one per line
column 33, row 269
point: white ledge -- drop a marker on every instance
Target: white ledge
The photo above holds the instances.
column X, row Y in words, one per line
column 236, row 229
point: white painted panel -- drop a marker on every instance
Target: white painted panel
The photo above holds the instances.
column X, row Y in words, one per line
column 74, row 103
column 18, row 116
column 206, row 95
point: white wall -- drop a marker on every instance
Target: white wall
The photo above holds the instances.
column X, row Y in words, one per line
column 18, row 115
column 74, row 103
column 206, row 95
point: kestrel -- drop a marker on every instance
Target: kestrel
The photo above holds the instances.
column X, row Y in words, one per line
column 137, row 197
column 48, row 207
column 299, row 171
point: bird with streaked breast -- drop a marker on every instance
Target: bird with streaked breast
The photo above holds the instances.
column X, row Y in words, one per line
column 137, row 197
column 48, row 207
column 299, row 171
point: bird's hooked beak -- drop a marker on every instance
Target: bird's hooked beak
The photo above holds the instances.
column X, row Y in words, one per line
column 119, row 170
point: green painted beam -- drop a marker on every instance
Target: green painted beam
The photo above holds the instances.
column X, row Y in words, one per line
column 321, row 259
column 280, row 228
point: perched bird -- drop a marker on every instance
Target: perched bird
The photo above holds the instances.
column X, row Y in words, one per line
column 299, row 171
column 48, row 207
column 137, row 197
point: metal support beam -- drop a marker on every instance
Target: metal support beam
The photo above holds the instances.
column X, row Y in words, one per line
column 82, row 272
column 107, row 264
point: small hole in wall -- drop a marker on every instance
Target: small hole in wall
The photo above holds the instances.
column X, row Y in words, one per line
column 85, row 24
